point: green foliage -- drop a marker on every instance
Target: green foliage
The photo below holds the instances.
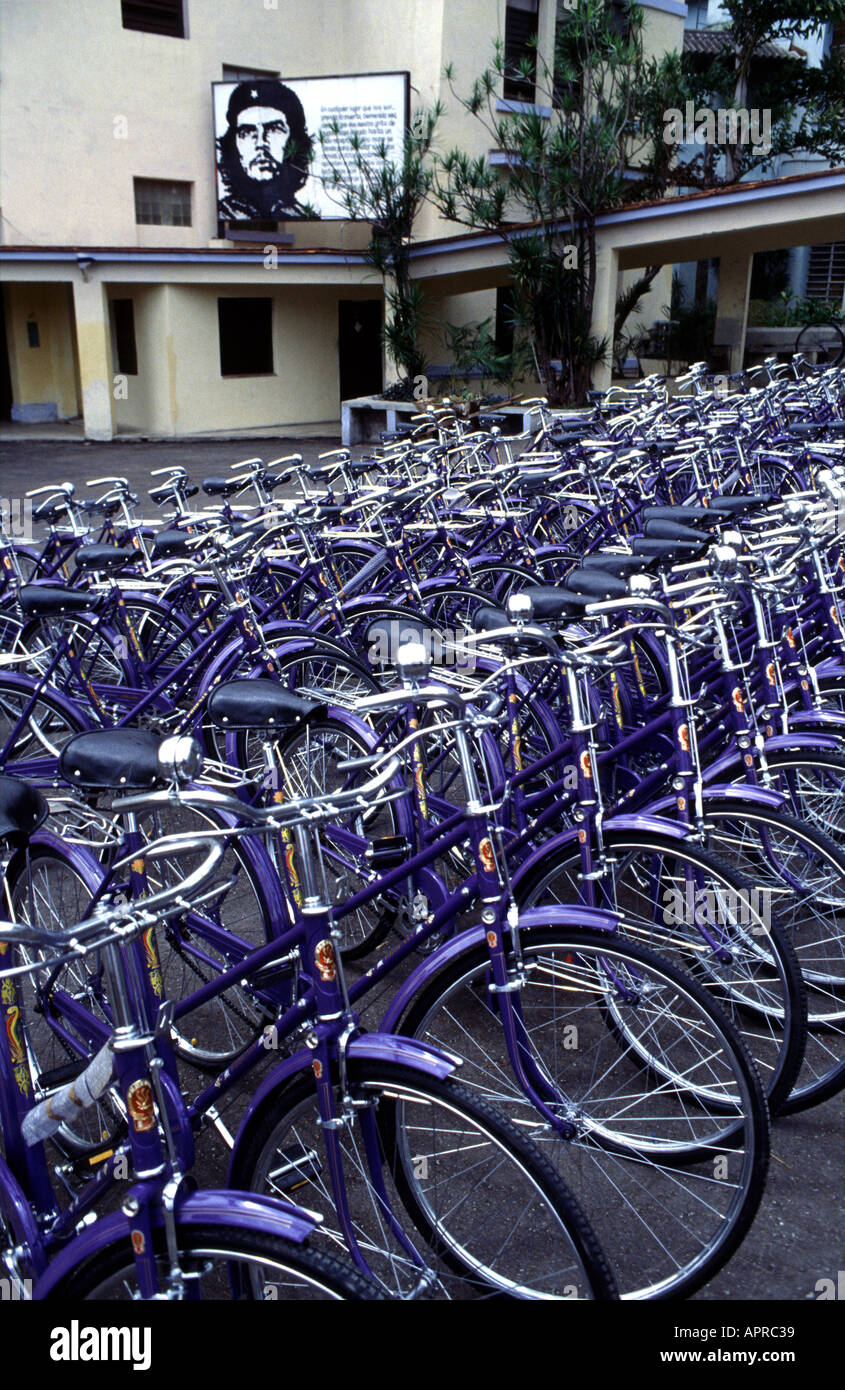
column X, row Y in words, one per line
column 805, row 105
column 789, row 311
column 389, row 194
column 474, row 352
column 554, row 173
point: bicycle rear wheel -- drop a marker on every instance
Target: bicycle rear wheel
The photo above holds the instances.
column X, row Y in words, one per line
column 824, row 342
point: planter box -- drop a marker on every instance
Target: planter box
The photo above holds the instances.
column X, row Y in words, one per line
column 364, row 420
column 778, row 342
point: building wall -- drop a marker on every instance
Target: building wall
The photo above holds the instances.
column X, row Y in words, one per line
column 179, row 388
column 86, row 106
column 108, row 104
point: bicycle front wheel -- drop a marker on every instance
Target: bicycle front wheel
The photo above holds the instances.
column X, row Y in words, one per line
column 669, row 1129
column 678, row 899
column 219, row 1263
column 442, row 1196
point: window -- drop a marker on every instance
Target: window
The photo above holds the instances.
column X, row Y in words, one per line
column 246, row 336
column 520, row 49
column 236, row 74
column 154, row 17
column 826, row 273
column 123, row 329
column 619, row 18
column 162, row 204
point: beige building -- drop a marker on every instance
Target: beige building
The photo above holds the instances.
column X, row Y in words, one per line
column 130, row 301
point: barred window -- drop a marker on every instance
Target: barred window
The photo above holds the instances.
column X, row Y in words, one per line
column 161, row 203
column 826, row 273
column 154, row 17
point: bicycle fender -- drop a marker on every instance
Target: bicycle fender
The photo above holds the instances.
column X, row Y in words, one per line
column 382, row 1047
column 833, row 718
column 569, row 916
column 19, row 1216
column 90, row 870
column 211, row 1206
column 655, row 824
column 821, row 742
column 30, row 686
column 729, row 791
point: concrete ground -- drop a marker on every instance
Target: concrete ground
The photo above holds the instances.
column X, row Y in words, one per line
column 36, row 462
column 797, row 1237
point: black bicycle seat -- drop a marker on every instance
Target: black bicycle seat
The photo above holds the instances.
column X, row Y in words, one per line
column 22, row 810
column 261, row 704
column 126, row 758
column 551, row 603
column 105, row 557
column 221, row 487
column 674, row 531
column 596, row 584
column 170, row 543
column 620, row 565
column 49, row 600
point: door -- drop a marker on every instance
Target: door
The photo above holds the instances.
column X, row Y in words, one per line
column 5, row 375
column 359, row 347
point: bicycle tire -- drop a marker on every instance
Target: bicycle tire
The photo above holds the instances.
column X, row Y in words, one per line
column 551, row 1247
column 666, row 1220
column 312, row 1271
column 809, row 340
column 51, row 889
column 759, row 987
column 809, row 908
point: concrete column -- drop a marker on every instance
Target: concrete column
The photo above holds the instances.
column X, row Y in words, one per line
column 604, row 311
column 732, row 306
column 93, row 340
column 389, row 368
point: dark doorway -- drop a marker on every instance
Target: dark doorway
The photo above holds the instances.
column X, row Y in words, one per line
column 5, row 375
column 359, row 347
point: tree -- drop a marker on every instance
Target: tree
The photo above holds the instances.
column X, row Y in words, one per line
column 757, row 67
column 611, row 115
column 555, row 174
column 756, row 64
column 372, row 187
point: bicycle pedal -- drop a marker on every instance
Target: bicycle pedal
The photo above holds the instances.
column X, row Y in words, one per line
column 60, row 1076
column 387, row 852
column 298, row 1168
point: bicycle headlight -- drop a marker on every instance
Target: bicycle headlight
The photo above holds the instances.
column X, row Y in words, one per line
column 520, row 608
column 412, row 663
column 180, row 758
